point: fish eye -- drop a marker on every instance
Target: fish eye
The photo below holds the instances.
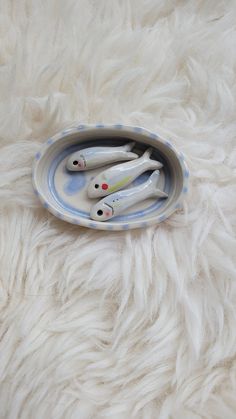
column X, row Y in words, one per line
column 75, row 162
column 99, row 212
column 96, row 186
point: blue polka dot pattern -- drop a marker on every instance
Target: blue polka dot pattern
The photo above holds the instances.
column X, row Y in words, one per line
column 100, row 126
column 49, row 141
column 81, row 126
column 186, row 173
column 137, row 129
column 162, row 218
column 185, row 189
column 125, row 226
column 37, row 156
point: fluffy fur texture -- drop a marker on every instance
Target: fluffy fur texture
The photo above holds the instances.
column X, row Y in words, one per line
column 136, row 324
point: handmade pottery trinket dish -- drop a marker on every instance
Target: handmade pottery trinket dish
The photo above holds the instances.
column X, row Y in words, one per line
column 65, row 192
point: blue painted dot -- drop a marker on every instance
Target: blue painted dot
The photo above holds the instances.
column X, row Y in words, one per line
column 100, row 126
column 162, row 218
column 76, row 221
column 168, row 144
column 154, row 136
column 177, row 206
column 185, row 189
column 45, row 204
column 49, row 141
column 37, row 156
column 36, row 192
column 137, row 129
column 92, row 225
column 80, row 127
column 66, row 131
column 118, row 126
column 125, row 226
column 186, row 173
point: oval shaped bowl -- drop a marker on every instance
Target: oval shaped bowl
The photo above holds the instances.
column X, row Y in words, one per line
column 63, row 193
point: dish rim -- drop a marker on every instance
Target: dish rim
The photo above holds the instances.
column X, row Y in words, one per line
column 99, row 225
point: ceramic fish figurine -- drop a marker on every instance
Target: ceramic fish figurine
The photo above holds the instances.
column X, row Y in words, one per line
column 116, row 203
column 121, row 175
column 90, row 158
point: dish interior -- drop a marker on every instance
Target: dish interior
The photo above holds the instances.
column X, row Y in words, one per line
column 66, row 192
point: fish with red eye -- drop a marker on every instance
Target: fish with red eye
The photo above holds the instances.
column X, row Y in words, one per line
column 121, row 175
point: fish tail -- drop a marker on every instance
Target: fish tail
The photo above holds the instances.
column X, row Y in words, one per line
column 147, row 153
column 131, row 156
column 129, row 146
column 154, row 179
column 153, row 164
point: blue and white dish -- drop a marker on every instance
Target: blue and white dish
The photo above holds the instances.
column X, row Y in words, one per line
column 64, row 192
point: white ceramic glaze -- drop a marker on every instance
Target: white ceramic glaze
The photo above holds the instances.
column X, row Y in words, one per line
column 116, row 203
column 93, row 157
column 121, row 175
column 64, row 193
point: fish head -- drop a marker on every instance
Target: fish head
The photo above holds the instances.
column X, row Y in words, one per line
column 101, row 211
column 97, row 187
column 76, row 163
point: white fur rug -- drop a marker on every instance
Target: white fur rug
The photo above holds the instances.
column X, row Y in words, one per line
column 137, row 324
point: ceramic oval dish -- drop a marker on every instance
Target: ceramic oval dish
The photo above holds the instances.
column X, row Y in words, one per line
column 64, row 193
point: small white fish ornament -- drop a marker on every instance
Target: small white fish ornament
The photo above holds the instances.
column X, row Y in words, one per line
column 92, row 157
column 116, row 203
column 121, row 175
